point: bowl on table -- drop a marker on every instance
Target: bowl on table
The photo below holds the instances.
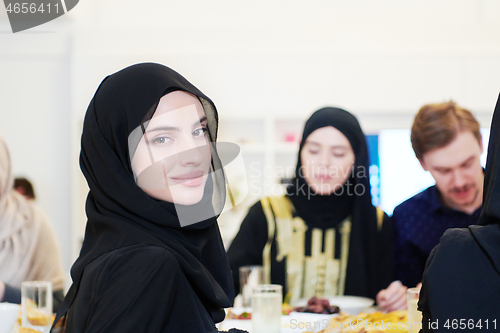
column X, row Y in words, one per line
column 8, row 316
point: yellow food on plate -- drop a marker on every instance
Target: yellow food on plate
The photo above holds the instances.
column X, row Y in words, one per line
column 38, row 318
column 286, row 308
column 26, row 330
column 376, row 322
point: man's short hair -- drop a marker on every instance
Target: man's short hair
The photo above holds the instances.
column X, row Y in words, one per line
column 437, row 125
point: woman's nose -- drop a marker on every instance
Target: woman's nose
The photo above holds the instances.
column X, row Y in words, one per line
column 324, row 158
column 190, row 153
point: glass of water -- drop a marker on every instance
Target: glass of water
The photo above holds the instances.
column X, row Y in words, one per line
column 250, row 276
column 414, row 316
column 36, row 305
column 266, row 308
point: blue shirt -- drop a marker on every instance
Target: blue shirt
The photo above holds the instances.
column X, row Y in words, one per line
column 420, row 222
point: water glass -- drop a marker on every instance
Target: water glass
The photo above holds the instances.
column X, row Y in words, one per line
column 414, row 316
column 250, row 276
column 36, row 305
column 266, row 308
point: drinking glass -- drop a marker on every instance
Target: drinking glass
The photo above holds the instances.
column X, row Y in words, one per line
column 250, row 276
column 36, row 305
column 414, row 316
column 266, row 308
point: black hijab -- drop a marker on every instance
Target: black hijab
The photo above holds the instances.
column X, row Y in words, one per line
column 326, row 211
column 490, row 213
column 364, row 278
column 120, row 213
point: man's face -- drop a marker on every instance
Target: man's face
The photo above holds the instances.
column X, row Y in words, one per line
column 458, row 172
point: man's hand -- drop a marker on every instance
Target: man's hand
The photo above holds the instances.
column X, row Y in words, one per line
column 393, row 298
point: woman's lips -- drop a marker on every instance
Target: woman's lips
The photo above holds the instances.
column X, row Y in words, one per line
column 323, row 177
column 190, row 179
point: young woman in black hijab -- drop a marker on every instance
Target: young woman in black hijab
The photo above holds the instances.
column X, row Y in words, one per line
column 324, row 237
column 461, row 283
column 152, row 259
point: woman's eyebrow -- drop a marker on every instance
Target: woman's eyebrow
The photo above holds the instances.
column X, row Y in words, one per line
column 313, row 143
column 163, row 128
column 330, row 147
column 172, row 128
column 202, row 119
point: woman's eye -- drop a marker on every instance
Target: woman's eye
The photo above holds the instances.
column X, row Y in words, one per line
column 313, row 152
column 161, row 140
column 199, row 131
column 339, row 155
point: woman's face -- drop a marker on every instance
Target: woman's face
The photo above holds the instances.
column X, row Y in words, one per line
column 327, row 160
column 172, row 160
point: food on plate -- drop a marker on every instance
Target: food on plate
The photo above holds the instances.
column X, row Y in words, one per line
column 38, row 318
column 318, row 305
column 231, row 314
column 26, row 330
column 244, row 315
column 376, row 322
column 286, row 309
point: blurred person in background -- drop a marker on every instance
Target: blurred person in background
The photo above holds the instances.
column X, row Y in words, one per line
column 461, row 282
column 447, row 142
column 323, row 237
column 24, row 187
column 28, row 246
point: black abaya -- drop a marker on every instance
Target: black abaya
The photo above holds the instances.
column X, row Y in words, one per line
column 139, row 270
column 461, row 282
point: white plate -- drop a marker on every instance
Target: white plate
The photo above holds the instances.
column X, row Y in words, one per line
column 8, row 316
column 349, row 304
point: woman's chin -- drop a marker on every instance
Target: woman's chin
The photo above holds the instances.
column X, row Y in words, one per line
column 325, row 189
column 187, row 201
column 181, row 195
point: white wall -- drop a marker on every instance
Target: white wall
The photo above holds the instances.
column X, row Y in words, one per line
column 35, row 120
column 381, row 60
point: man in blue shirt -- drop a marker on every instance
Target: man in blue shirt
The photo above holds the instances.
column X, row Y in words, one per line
column 447, row 142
